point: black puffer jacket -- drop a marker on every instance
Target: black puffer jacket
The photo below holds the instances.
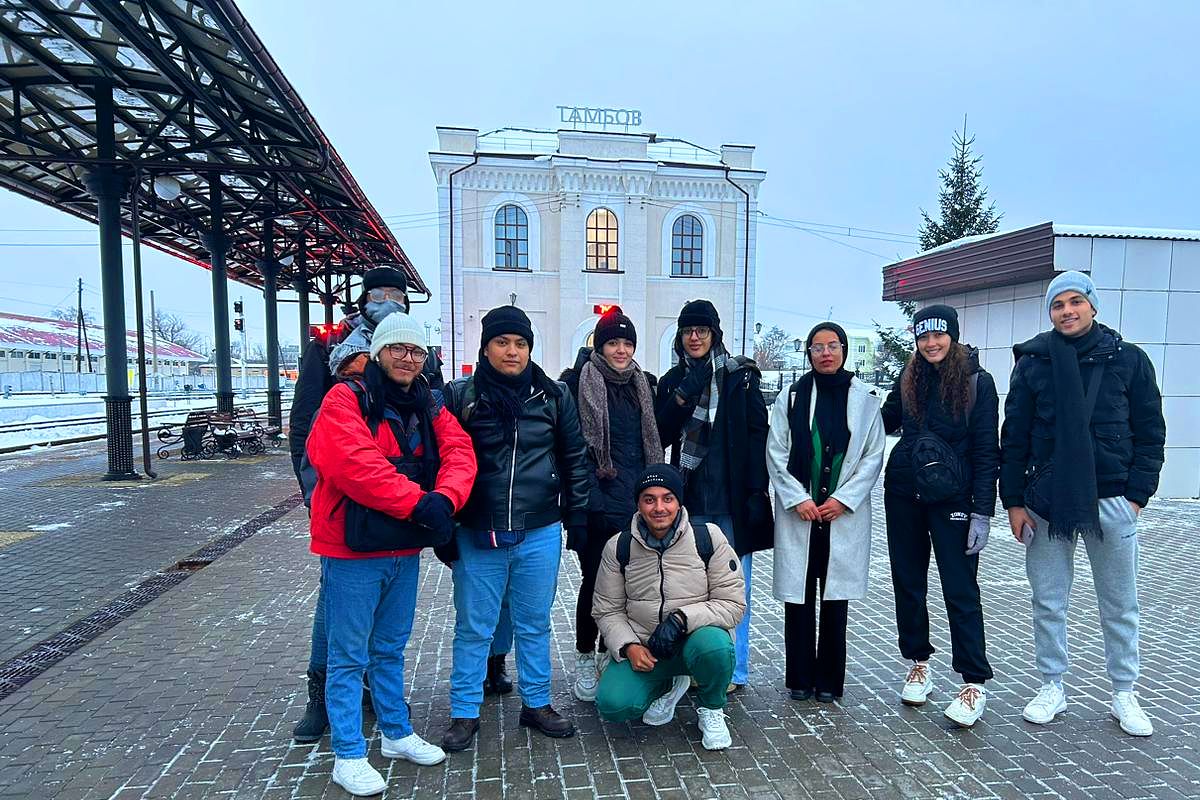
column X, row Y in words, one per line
column 523, row 490
column 743, row 413
column 974, row 440
column 1128, row 429
column 613, row 497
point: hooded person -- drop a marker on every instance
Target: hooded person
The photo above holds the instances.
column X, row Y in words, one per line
column 533, row 477
column 616, row 411
column 940, row 494
column 824, row 455
column 1082, row 448
column 713, row 419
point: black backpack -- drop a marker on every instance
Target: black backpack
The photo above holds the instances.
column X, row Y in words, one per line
column 937, row 470
column 704, row 545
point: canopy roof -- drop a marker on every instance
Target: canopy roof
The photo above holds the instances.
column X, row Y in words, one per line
column 195, row 95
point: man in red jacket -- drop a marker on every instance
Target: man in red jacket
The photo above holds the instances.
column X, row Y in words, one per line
column 392, row 468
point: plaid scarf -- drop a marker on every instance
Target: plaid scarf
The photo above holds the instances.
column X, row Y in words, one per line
column 697, row 431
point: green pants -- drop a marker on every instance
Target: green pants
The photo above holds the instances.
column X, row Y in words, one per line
column 706, row 655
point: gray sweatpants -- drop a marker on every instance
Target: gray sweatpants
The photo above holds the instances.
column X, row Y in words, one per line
column 1050, row 565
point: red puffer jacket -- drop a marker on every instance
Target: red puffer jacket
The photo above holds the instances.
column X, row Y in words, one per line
column 350, row 462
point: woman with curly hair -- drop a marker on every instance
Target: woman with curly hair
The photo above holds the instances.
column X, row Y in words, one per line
column 940, row 493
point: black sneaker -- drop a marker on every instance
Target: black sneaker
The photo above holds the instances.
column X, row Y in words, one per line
column 548, row 721
column 315, row 722
column 459, row 735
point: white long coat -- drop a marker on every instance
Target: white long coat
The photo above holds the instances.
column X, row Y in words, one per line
column 850, row 534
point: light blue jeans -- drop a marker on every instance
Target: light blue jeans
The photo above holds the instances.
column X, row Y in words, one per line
column 369, row 605
column 741, row 634
column 525, row 574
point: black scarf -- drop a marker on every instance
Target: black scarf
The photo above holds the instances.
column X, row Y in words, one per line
column 505, row 395
column 1076, row 504
column 833, row 392
column 411, row 406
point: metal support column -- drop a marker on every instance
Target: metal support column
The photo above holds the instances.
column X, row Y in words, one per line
column 109, row 187
column 270, row 270
column 301, row 285
column 218, row 244
column 328, row 297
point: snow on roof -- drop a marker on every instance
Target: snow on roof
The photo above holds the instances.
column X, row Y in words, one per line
column 52, row 335
column 529, row 140
column 1107, row 232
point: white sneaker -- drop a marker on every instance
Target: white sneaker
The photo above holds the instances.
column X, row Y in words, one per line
column 918, row 685
column 662, row 710
column 602, row 661
column 586, row 678
column 967, row 706
column 1043, row 708
column 715, row 733
column 358, row 777
column 412, row 748
column 1133, row 720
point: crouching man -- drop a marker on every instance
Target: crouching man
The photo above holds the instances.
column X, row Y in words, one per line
column 667, row 597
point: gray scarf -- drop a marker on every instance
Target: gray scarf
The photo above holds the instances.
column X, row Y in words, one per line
column 593, row 411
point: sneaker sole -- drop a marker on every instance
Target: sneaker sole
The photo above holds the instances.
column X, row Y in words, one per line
column 413, row 759
column 722, row 745
column 363, row 793
column 307, row 739
column 1047, row 721
column 585, row 696
column 917, row 703
column 961, row 723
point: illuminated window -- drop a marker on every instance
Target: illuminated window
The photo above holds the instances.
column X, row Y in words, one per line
column 687, row 247
column 602, row 240
column 512, row 238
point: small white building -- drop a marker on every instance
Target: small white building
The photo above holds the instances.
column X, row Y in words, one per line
column 1148, row 282
column 564, row 223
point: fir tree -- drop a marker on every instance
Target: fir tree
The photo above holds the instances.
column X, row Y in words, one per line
column 963, row 199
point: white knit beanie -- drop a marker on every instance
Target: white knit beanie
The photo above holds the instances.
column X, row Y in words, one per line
column 396, row 328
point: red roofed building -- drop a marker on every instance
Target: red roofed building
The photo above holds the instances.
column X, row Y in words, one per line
column 39, row 344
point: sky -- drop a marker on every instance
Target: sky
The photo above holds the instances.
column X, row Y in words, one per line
column 1084, row 113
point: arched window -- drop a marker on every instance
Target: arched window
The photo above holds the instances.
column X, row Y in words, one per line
column 602, row 240
column 512, row 238
column 687, row 247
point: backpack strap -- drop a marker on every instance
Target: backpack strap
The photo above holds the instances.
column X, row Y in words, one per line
column 704, row 543
column 460, row 407
column 359, row 387
column 624, row 542
column 972, row 393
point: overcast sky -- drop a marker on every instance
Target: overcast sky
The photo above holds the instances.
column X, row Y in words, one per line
column 1084, row 113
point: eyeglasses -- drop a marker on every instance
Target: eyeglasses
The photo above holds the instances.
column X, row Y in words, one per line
column 385, row 293
column 701, row 332
column 833, row 348
column 403, row 351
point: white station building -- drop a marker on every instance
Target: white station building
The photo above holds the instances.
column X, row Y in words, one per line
column 565, row 223
column 1148, row 283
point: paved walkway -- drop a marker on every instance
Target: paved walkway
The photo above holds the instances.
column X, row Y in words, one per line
column 195, row 694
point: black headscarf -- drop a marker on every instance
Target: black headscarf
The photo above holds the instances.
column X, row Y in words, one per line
column 1076, row 505
column 833, row 393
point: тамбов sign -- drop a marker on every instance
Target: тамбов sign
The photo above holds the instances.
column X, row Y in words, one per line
column 602, row 117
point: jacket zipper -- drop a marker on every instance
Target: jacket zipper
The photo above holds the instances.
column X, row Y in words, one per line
column 662, row 588
column 512, row 473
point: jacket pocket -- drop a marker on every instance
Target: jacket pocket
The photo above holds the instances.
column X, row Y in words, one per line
column 1114, row 450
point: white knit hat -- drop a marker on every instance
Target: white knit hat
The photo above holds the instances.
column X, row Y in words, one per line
column 396, row 328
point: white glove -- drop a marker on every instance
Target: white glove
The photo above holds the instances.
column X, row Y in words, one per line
column 977, row 536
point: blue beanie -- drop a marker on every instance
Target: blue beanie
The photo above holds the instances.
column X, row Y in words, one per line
column 1072, row 281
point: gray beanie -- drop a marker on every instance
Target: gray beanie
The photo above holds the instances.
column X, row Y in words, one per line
column 1073, row 281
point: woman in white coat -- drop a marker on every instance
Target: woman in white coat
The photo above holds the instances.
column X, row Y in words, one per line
column 824, row 455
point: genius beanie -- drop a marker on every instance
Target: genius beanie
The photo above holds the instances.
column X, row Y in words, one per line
column 1073, row 281
column 936, row 319
column 613, row 325
column 663, row 475
column 505, row 320
column 396, row 328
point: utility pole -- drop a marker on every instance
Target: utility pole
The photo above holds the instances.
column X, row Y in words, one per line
column 81, row 332
column 153, row 340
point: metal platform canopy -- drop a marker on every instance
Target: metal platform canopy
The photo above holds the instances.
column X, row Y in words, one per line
column 170, row 115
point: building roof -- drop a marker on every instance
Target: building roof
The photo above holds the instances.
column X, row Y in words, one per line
column 532, row 141
column 195, row 95
column 53, row 335
column 998, row 259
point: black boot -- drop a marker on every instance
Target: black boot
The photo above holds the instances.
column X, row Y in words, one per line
column 548, row 721
column 497, row 680
column 459, row 735
column 315, row 721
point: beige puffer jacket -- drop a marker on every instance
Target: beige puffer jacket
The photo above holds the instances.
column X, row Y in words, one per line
column 628, row 607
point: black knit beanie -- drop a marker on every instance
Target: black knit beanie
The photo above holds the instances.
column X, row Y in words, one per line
column 829, row 326
column 613, row 325
column 383, row 276
column 505, row 320
column 699, row 313
column 936, row 319
column 663, row 475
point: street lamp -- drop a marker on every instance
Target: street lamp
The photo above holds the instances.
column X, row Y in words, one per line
column 798, row 344
column 512, row 298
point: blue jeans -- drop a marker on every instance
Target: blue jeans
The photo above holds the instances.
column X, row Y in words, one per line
column 369, row 603
column 526, row 575
column 318, row 657
column 741, row 634
column 502, row 640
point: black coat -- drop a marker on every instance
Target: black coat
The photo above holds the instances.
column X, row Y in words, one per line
column 743, row 413
column 1128, row 429
column 613, row 497
column 974, row 440
column 314, row 381
column 550, row 466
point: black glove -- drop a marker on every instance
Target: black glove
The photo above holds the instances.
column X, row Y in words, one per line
column 448, row 552
column 436, row 512
column 694, row 383
column 668, row 637
column 577, row 536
